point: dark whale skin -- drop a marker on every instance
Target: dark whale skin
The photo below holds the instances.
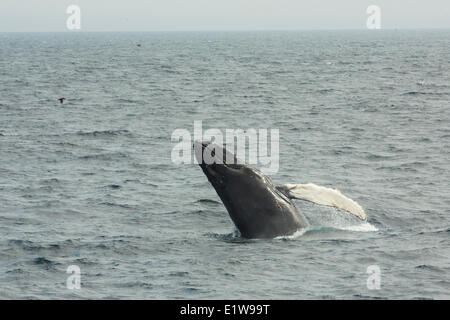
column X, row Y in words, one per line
column 257, row 208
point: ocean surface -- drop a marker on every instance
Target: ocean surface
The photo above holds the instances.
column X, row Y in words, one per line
column 91, row 182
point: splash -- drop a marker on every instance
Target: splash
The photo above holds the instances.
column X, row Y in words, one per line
column 295, row 235
column 364, row 227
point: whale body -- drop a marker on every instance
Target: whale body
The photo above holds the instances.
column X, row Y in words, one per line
column 257, row 207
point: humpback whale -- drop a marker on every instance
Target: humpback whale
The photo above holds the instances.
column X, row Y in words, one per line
column 257, row 207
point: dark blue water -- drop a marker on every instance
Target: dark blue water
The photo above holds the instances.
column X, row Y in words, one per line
column 91, row 182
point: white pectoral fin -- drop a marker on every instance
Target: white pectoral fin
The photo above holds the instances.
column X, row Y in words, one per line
column 324, row 196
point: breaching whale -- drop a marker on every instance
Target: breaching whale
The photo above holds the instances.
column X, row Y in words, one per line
column 257, row 207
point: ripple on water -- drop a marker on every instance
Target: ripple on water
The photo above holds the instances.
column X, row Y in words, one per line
column 92, row 182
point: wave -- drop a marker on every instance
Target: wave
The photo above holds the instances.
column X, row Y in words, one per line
column 45, row 263
column 113, row 186
column 104, row 156
column 207, row 201
column 104, row 133
column 31, row 246
column 444, row 231
column 8, row 134
column 364, row 227
column 417, row 93
column 293, row 236
column 118, row 205
column 373, row 156
column 125, row 101
column 232, row 237
column 235, row 236
column 429, row 267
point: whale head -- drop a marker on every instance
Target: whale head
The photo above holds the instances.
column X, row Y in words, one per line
column 254, row 204
column 222, row 168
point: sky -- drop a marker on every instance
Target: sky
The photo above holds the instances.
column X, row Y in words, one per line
column 212, row 15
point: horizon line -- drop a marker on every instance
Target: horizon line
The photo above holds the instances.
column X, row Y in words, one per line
column 227, row 30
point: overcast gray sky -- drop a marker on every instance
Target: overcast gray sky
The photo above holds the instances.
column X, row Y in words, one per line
column 188, row 15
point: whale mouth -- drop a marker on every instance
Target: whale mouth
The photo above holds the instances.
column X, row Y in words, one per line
column 199, row 148
column 210, row 154
column 215, row 162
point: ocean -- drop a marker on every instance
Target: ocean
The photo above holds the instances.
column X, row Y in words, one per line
column 90, row 183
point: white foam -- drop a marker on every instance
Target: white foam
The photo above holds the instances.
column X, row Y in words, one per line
column 295, row 235
column 364, row 227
